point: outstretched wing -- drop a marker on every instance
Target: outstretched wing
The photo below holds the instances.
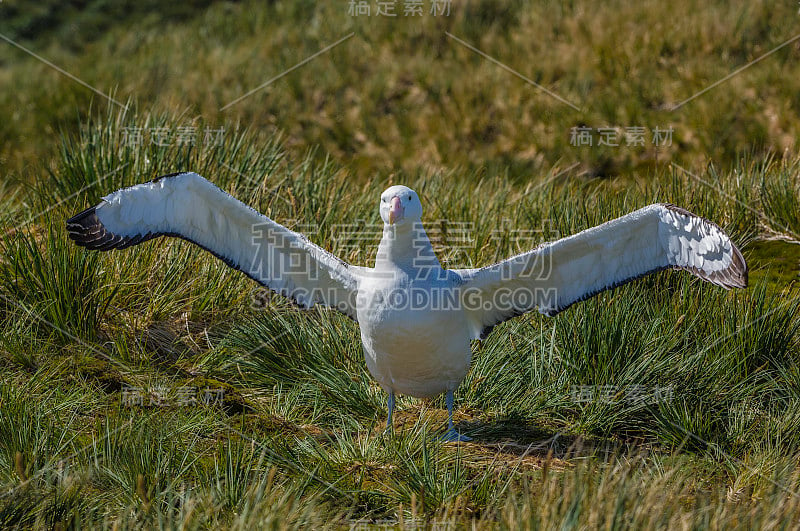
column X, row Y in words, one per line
column 556, row 275
column 187, row 206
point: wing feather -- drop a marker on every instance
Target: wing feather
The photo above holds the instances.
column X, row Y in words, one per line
column 187, row 206
column 556, row 275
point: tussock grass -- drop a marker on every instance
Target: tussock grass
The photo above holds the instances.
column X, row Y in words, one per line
column 401, row 94
column 297, row 440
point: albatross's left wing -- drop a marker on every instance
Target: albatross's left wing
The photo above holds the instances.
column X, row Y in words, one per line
column 189, row 207
column 559, row 274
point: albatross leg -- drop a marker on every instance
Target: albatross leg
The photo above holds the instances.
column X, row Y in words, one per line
column 390, row 404
column 452, row 435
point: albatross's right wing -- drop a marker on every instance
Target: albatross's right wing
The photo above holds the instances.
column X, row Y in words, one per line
column 559, row 274
column 189, row 207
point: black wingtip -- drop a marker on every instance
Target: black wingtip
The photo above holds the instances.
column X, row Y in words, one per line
column 167, row 176
column 86, row 230
column 739, row 268
column 735, row 275
column 77, row 218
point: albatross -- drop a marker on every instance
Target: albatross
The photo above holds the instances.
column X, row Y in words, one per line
column 417, row 320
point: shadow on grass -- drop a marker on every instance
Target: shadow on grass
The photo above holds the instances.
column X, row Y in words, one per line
column 517, row 436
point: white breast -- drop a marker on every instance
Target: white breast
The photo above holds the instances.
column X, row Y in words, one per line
column 413, row 347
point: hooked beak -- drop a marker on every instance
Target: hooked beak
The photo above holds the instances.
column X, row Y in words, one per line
column 396, row 210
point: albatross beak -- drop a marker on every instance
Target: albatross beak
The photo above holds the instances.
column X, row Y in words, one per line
column 395, row 211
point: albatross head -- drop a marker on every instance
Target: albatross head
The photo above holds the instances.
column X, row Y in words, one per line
column 400, row 205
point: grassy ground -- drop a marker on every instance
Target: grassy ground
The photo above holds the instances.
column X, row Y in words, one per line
column 154, row 387
column 253, row 412
column 402, row 94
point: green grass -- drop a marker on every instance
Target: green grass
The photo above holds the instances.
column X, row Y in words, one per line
column 402, row 95
column 296, row 439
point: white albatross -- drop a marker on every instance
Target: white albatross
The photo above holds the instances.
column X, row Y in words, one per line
column 416, row 319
